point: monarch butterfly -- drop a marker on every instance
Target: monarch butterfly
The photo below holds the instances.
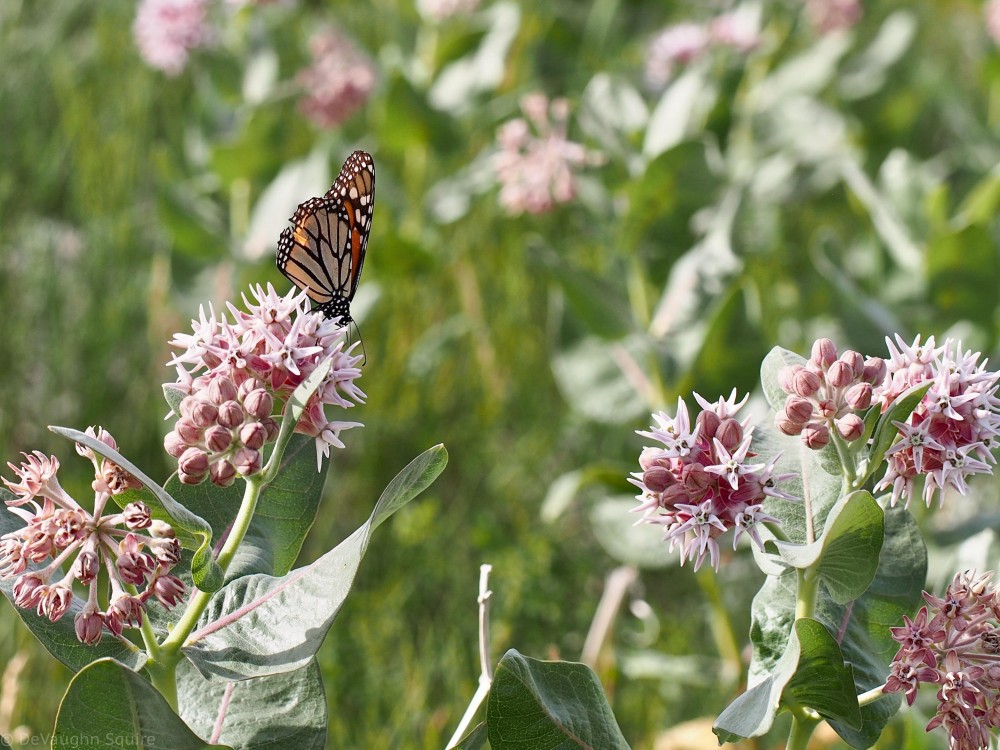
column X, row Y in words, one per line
column 323, row 252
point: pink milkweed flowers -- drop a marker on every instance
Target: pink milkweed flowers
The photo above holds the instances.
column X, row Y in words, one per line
column 166, row 31
column 136, row 552
column 338, row 82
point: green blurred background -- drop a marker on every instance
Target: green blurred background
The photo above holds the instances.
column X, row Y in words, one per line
column 840, row 183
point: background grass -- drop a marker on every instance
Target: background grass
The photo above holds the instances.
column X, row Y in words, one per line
column 125, row 202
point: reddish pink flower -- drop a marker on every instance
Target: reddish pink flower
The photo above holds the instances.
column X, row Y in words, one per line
column 338, row 82
column 166, row 31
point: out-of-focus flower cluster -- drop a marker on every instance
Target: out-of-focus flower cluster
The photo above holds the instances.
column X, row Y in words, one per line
column 338, row 81
column 828, row 391
column 954, row 642
column 683, row 43
column 702, row 481
column 231, row 371
column 166, row 31
column 954, row 429
column 439, row 10
column 991, row 11
column 536, row 160
column 829, row 16
column 135, row 550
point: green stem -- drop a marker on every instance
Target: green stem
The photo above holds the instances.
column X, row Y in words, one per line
column 871, row 696
column 806, row 592
column 800, row 732
column 170, row 648
column 846, row 458
column 164, row 679
column 722, row 626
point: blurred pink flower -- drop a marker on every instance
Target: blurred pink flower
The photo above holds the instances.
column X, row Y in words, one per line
column 674, row 45
column 739, row 29
column 992, row 14
column 338, row 82
column 166, row 31
column 441, row 9
column 827, row 16
column 535, row 164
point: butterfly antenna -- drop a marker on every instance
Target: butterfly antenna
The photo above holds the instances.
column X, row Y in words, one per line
column 364, row 355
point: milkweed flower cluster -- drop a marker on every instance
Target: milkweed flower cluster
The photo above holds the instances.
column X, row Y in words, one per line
column 829, row 391
column 338, row 81
column 953, row 430
column 683, row 43
column 230, row 373
column 829, row 16
column 166, row 31
column 134, row 549
column 703, row 480
column 536, row 161
column 439, row 10
column 954, row 642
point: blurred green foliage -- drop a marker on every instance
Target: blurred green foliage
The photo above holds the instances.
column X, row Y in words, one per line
column 842, row 185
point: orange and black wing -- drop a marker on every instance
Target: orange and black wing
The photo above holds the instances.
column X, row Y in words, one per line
column 324, row 249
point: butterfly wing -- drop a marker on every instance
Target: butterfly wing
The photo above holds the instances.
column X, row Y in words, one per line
column 323, row 251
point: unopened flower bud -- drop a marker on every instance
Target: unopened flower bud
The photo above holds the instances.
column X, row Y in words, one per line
column 824, row 353
column 231, row 414
column 859, row 396
column 187, row 404
column 218, row 439
column 258, row 403
column 89, row 626
column 815, row 436
column 708, row 422
column 651, row 457
column 850, row 427
column 786, row 377
column 798, row 410
column 675, row 494
column 204, row 413
column 695, row 478
column 730, row 434
column 840, row 374
column 189, row 432
column 193, row 462
column 223, row 473
column 174, row 444
column 657, row 479
column 221, row 390
column 806, row 383
column 855, row 361
column 787, row 425
column 247, row 461
column 272, row 428
column 253, row 435
column 161, row 530
column 827, row 408
column 875, row 370
column 137, row 515
column 87, row 566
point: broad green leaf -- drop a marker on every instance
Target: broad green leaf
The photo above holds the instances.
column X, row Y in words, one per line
column 206, row 573
column 260, row 625
column 861, row 626
column 681, row 111
column 294, row 704
column 810, row 673
column 474, row 740
column 963, row 270
column 846, row 555
column 770, row 366
column 885, row 432
column 108, row 705
column 600, row 305
column 593, row 377
column 540, row 705
column 642, row 546
column 59, row 638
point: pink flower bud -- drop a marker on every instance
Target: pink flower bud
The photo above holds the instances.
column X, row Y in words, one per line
column 218, row 439
column 827, row 408
column 28, row 590
column 188, row 431
column 89, row 626
column 675, row 494
column 231, row 414
column 168, row 590
column 221, row 390
column 855, row 361
column 174, row 444
column 786, row 377
column 187, row 404
column 651, row 457
column 730, row 434
column 695, row 478
column 223, row 473
column 246, row 461
column 657, row 479
column 258, row 403
column 137, row 515
column 708, row 422
column 253, row 435
column 193, row 462
column 850, row 427
column 55, row 601
column 272, row 428
column 840, row 374
column 87, row 566
column 859, row 396
column 824, row 353
column 161, row 530
column 806, row 383
column 786, row 425
column 815, row 436
column 875, row 370
column 798, row 410
column 203, row 414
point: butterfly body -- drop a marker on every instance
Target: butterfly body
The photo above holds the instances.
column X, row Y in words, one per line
column 323, row 251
